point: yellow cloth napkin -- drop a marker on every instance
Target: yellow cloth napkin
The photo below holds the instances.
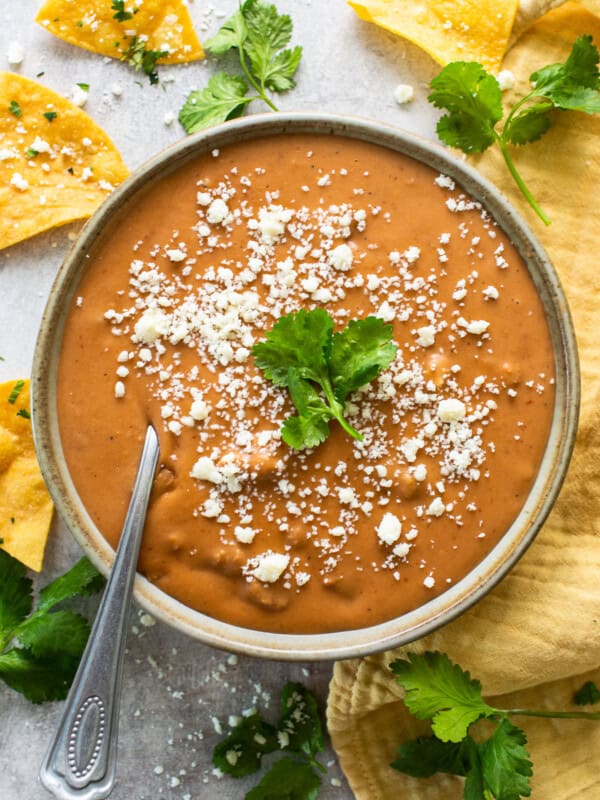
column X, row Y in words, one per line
column 537, row 633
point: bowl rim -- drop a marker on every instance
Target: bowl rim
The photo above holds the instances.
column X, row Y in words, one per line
column 479, row 581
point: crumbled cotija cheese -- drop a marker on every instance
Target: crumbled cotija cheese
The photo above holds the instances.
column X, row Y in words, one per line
column 403, row 93
column 451, row 410
column 341, row 257
column 200, row 299
column 389, row 529
column 153, row 324
column 270, row 567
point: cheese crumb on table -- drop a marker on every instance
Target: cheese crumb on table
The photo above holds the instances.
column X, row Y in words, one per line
column 79, row 96
column 15, row 54
column 403, row 93
column 506, row 80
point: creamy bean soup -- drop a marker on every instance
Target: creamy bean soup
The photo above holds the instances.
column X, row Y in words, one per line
column 350, row 533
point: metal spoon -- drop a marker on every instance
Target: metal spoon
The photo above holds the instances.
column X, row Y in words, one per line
column 82, row 758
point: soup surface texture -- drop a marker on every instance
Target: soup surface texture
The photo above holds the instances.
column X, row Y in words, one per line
column 351, row 533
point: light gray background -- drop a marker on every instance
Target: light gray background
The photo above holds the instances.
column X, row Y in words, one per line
column 176, row 688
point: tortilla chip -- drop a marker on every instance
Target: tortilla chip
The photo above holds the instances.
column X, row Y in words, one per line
column 449, row 30
column 25, row 505
column 56, row 164
column 90, row 24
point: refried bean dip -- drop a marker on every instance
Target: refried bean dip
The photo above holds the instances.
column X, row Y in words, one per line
column 351, row 533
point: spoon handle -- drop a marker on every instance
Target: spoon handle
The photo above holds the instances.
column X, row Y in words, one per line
column 81, row 761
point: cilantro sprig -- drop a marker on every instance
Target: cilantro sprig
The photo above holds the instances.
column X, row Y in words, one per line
column 260, row 37
column 138, row 57
column 301, row 352
column 473, row 99
column 496, row 768
column 135, row 53
column 40, row 649
column 298, row 733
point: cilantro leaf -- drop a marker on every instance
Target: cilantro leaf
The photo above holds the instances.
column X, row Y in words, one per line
column 300, row 722
column 474, row 788
column 15, row 108
column 308, row 430
column 573, row 85
column 279, row 76
column 43, row 667
column 231, row 34
column 82, row 579
column 506, row 763
column 529, row 125
column 267, row 28
column 439, row 690
column 300, row 341
column 15, row 596
column 359, row 353
column 38, row 679
column 582, row 64
column 311, row 427
column 224, row 98
column 62, row 634
column 268, row 32
column 287, row 780
column 427, row 755
column 241, row 752
column 50, row 115
column 588, row 695
column 474, row 100
column 577, row 98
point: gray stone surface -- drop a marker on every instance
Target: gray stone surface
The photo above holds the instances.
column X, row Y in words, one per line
column 175, row 688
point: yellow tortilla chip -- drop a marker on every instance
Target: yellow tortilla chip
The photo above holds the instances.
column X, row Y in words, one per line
column 449, row 30
column 25, row 505
column 56, row 164
column 90, row 24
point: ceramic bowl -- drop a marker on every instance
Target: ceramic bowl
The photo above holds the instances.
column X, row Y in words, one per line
column 462, row 595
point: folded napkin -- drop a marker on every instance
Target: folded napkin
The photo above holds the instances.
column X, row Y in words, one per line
column 536, row 637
